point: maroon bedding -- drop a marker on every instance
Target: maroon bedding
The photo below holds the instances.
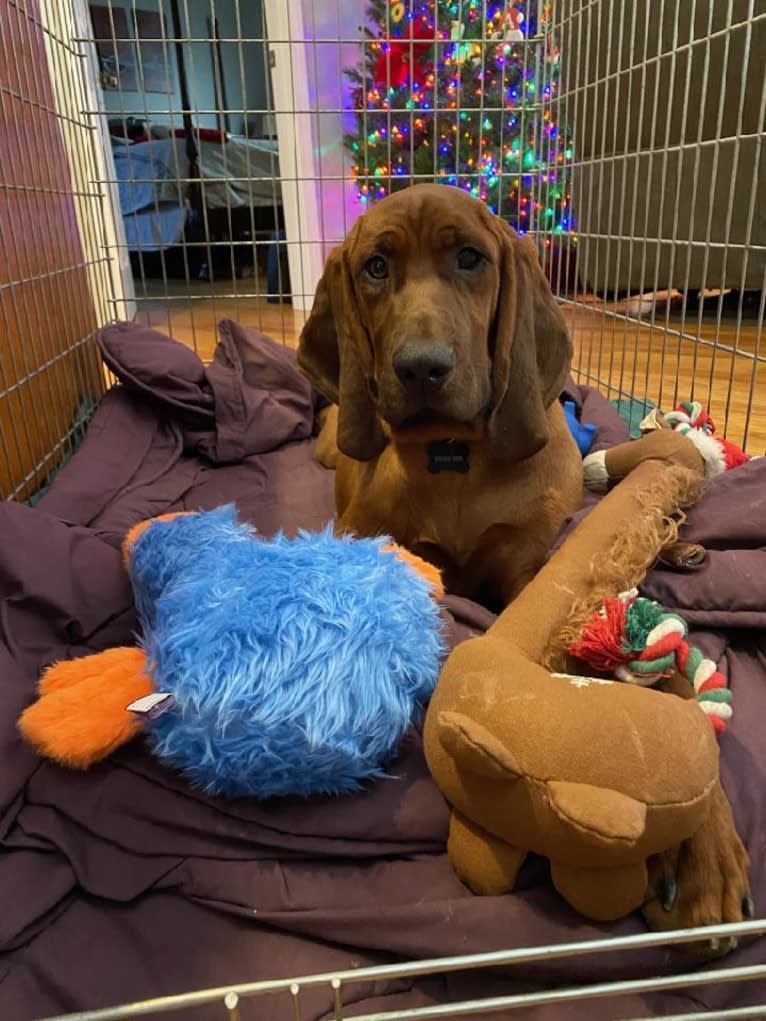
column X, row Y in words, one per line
column 123, row 883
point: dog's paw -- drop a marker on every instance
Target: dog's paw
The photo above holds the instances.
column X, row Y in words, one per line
column 703, row 882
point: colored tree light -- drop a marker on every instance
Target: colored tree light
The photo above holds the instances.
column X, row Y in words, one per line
column 464, row 93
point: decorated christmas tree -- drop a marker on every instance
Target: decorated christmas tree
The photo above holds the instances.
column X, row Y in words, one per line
column 463, row 93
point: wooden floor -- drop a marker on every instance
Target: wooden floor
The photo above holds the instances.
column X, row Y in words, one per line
column 722, row 367
column 192, row 311
column 613, row 352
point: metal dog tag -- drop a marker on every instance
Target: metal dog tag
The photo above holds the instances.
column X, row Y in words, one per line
column 447, row 456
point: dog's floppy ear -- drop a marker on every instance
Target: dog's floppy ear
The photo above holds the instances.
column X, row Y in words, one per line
column 334, row 354
column 531, row 351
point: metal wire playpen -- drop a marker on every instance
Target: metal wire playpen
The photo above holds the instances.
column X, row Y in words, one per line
column 227, row 1001
column 199, row 158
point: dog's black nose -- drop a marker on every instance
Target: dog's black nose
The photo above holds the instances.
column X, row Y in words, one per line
column 424, row 366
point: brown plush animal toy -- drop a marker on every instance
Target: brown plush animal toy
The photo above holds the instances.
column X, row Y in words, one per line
column 595, row 775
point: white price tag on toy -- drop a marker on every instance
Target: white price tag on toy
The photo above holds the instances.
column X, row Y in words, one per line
column 151, row 706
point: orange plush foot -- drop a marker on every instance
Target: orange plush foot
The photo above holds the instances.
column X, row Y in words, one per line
column 67, row 673
column 80, row 717
column 431, row 574
column 131, row 537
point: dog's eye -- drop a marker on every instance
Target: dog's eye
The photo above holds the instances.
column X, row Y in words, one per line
column 376, row 267
column 468, row 258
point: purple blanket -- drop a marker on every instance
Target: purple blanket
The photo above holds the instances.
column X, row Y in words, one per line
column 122, row 882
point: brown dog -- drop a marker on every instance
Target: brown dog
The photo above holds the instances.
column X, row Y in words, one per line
column 435, row 334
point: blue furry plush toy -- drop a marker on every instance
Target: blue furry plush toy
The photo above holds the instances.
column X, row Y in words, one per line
column 281, row 667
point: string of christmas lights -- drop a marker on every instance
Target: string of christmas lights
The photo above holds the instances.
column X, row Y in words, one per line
column 463, row 93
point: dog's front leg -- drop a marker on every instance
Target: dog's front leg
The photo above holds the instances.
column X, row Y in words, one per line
column 705, row 881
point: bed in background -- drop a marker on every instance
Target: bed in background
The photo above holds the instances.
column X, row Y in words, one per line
column 123, row 882
column 229, row 192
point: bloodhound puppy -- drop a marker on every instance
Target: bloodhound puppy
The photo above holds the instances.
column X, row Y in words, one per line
column 435, row 335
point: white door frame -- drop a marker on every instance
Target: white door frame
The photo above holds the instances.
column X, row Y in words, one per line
column 285, row 24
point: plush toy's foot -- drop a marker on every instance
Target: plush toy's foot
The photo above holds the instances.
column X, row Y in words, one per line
column 486, row 865
column 601, row 894
column 137, row 530
column 80, row 716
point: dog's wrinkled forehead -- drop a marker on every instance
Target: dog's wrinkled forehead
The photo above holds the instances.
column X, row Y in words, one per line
column 421, row 219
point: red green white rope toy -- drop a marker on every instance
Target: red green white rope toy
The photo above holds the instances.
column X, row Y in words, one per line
column 633, row 639
column 719, row 454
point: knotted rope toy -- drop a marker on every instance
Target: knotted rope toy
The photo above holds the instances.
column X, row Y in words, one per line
column 636, row 641
column 690, row 419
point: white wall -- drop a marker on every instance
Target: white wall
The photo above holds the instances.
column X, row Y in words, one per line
column 319, row 199
column 155, row 106
column 244, row 66
column 326, row 23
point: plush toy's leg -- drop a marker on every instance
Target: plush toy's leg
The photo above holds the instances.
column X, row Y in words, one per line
column 485, row 864
column 601, row 894
column 80, row 716
column 137, row 530
column 606, row 468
